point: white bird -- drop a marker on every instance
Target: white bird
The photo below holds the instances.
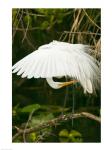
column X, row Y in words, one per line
column 58, row 59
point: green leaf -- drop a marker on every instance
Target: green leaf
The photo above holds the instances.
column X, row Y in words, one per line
column 75, row 136
column 30, row 108
column 45, row 25
column 75, row 133
column 64, row 133
column 54, row 109
column 43, row 117
column 32, row 136
column 28, row 20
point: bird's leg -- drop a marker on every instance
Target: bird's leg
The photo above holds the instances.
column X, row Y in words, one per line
column 67, row 83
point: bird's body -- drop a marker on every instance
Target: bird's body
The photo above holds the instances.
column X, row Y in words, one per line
column 58, row 59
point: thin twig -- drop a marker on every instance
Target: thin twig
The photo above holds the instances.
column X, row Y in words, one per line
column 21, row 29
column 56, row 121
column 20, row 18
column 25, row 34
column 66, row 33
column 91, row 33
column 15, row 17
column 75, row 25
column 32, row 14
column 27, row 37
column 29, row 119
column 91, row 19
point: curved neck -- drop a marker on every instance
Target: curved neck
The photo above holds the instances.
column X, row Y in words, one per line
column 58, row 85
column 53, row 84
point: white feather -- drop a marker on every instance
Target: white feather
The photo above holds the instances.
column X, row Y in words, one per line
column 61, row 59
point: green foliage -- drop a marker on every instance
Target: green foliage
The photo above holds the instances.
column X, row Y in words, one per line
column 32, row 137
column 30, row 108
column 63, row 135
column 41, row 118
column 75, row 136
column 54, row 108
column 34, row 102
column 72, row 136
column 28, row 20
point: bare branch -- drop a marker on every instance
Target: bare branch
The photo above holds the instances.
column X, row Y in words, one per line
column 29, row 119
column 25, row 34
column 91, row 19
column 22, row 29
column 56, row 121
column 34, row 14
column 91, row 33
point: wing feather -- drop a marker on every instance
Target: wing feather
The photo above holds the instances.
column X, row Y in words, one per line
column 60, row 59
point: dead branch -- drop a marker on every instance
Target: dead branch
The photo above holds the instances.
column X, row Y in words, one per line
column 91, row 19
column 29, row 119
column 56, row 121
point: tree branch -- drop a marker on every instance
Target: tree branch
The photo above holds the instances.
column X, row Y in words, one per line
column 56, row 121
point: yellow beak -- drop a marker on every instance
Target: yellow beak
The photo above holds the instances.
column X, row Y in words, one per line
column 67, row 83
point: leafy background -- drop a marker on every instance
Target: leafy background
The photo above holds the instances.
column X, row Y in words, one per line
column 34, row 98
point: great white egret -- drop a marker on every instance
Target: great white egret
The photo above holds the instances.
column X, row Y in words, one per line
column 58, row 59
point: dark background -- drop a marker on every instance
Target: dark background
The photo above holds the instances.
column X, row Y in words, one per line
column 32, row 28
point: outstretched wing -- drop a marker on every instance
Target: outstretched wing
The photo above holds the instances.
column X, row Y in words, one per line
column 56, row 59
column 44, row 63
